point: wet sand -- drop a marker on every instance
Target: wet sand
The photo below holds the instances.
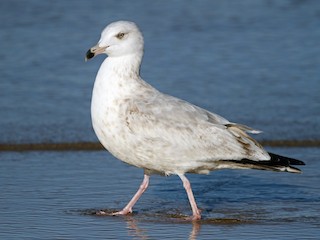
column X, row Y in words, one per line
column 95, row 146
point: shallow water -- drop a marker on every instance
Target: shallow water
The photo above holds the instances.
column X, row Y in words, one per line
column 54, row 195
column 254, row 62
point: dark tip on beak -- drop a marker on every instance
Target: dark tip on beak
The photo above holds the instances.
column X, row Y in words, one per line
column 89, row 54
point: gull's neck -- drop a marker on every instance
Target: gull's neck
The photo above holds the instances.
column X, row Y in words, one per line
column 127, row 66
column 118, row 77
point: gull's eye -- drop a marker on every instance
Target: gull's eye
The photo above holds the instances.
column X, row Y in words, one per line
column 120, row 35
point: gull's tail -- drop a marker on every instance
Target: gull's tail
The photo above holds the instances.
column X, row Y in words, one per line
column 276, row 163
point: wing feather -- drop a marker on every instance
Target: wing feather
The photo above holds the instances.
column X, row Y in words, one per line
column 173, row 132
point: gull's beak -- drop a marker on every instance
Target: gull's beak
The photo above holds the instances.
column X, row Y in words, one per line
column 96, row 50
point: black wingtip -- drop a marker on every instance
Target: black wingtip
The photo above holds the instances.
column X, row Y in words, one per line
column 278, row 159
column 276, row 163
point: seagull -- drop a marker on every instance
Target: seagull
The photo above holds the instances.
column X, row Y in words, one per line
column 159, row 133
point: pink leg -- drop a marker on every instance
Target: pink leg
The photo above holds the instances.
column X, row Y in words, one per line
column 143, row 187
column 195, row 209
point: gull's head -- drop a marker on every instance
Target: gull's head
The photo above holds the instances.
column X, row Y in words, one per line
column 118, row 39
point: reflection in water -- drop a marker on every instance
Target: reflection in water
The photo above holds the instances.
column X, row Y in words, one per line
column 134, row 229
column 134, row 221
column 195, row 230
column 140, row 233
column 147, row 225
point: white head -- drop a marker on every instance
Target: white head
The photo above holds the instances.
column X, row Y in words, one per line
column 118, row 39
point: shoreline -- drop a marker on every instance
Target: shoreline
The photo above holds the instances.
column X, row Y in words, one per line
column 96, row 146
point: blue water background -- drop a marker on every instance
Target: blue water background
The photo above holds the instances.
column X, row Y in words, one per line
column 253, row 62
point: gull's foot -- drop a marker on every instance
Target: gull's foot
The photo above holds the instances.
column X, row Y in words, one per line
column 124, row 211
column 193, row 218
column 196, row 218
